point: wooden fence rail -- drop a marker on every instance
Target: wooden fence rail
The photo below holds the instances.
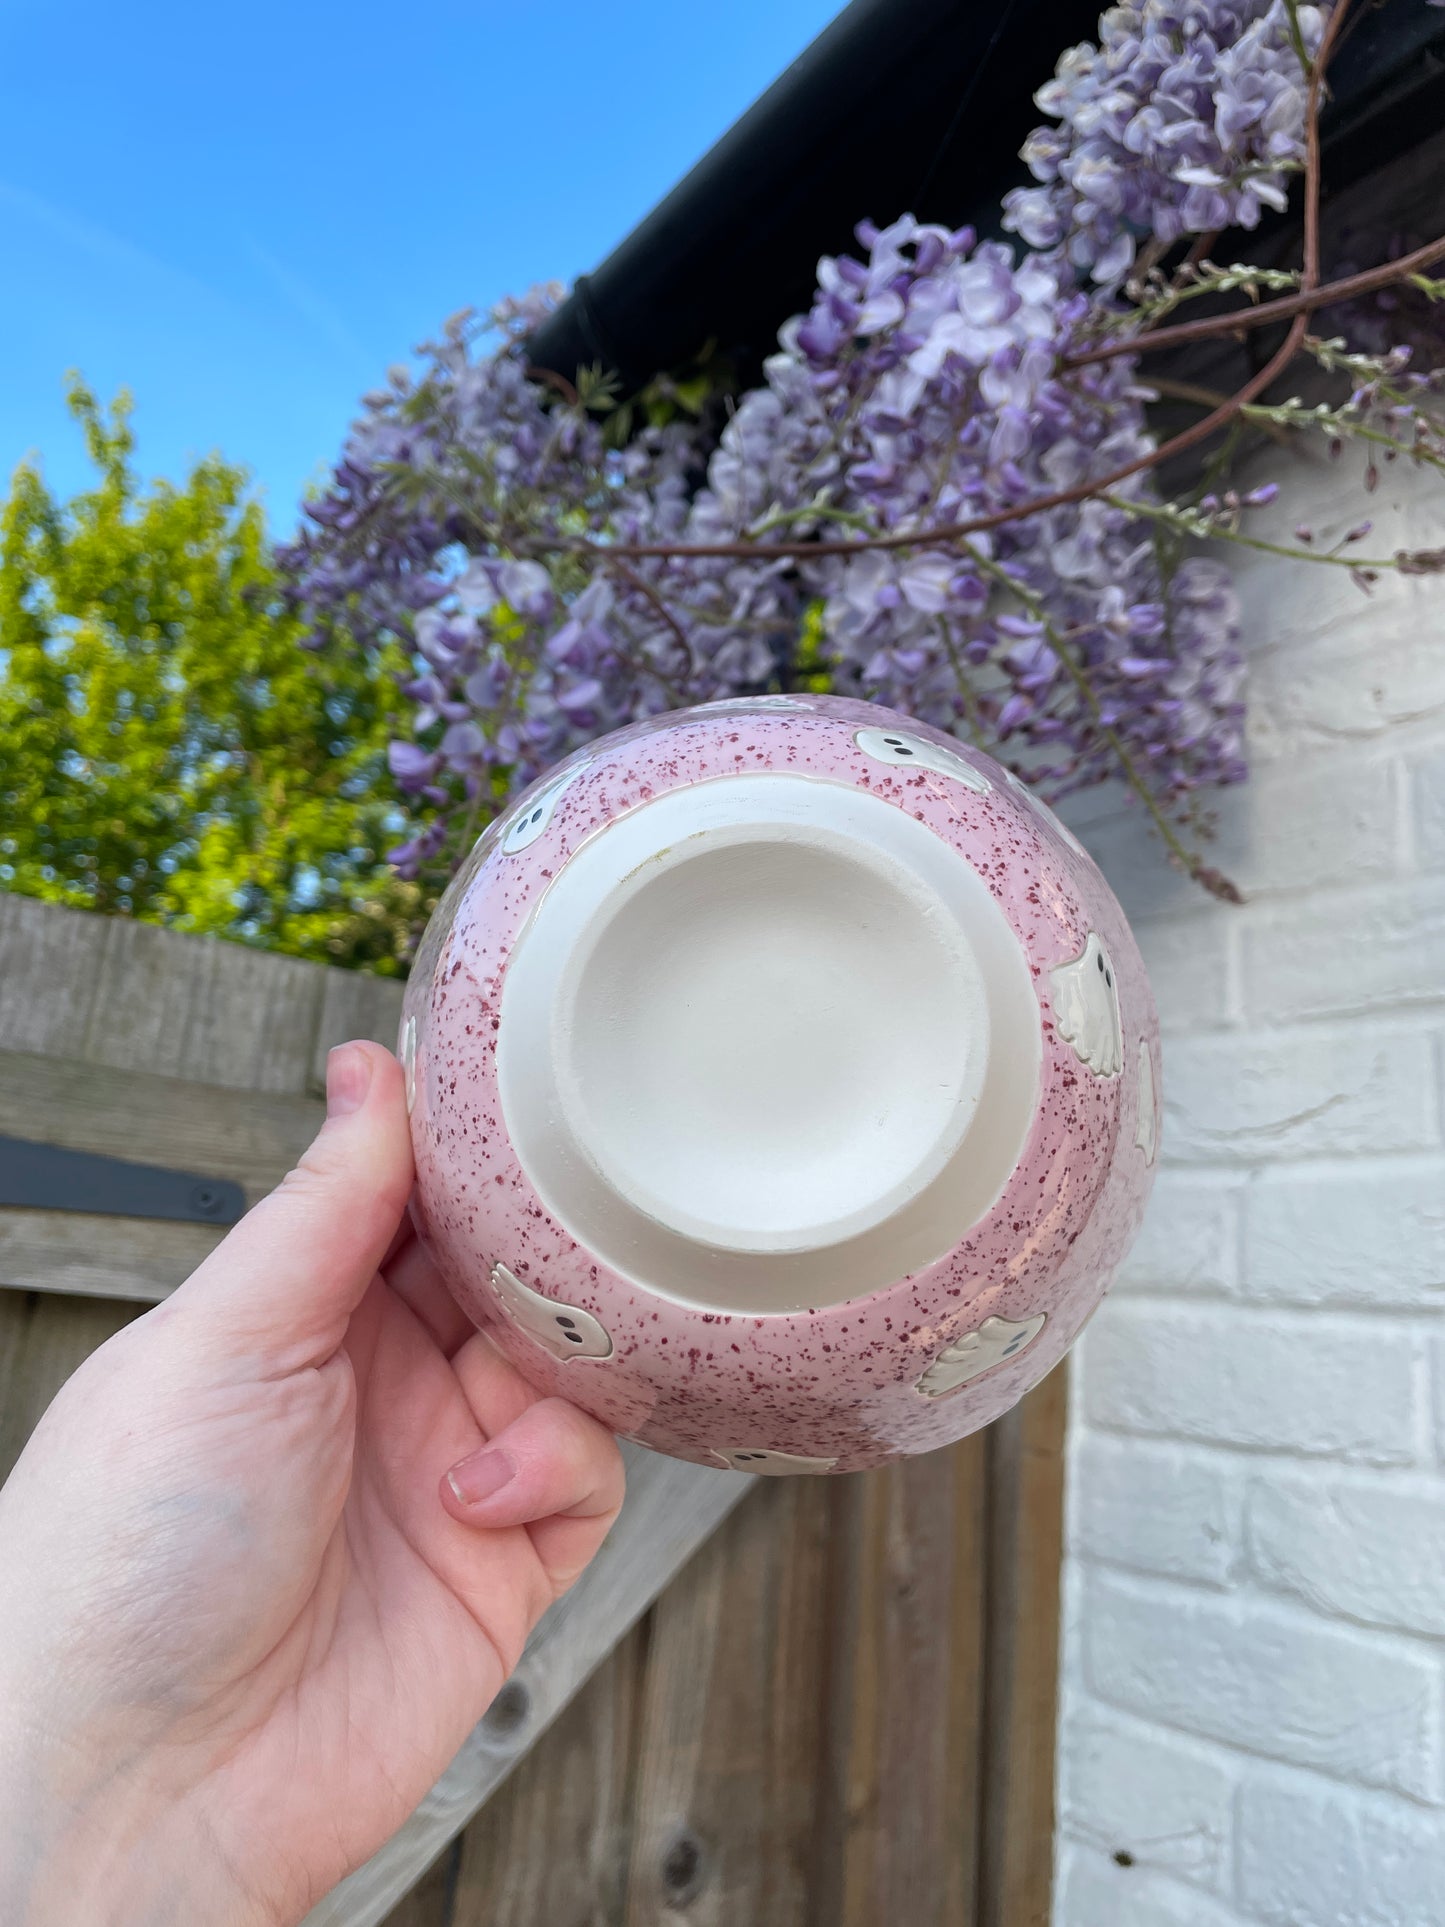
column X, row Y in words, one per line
column 837, row 1713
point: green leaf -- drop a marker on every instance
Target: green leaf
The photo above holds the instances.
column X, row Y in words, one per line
column 167, row 749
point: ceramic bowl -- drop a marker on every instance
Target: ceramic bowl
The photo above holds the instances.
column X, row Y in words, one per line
column 783, row 1080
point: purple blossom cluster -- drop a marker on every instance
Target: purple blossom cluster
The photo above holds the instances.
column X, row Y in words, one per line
column 549, row 586
column 863, row 518
column 460, row 520
column 1187, row 117
column 475, row 515
column 926, row 387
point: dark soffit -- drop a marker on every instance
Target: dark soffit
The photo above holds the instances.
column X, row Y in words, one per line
column 902, row 105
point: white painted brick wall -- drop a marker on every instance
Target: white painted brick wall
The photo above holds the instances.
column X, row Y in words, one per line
column 1092, row 1890
column 1126, row 1779
column 1254, row 1650
column 1352, row 1546
column 1259, row 1379
column 1264, row 1677
column 1159, row 1508
column 1314, row 1855
column 1349, row 1235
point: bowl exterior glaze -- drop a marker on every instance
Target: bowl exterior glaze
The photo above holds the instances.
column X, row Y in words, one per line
column 845, row 1386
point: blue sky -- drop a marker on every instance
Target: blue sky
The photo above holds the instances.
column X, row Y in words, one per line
column 244, row 214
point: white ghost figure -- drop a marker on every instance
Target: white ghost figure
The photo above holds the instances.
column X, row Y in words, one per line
column 539, row 812
column 769, row 1465
column 1038, row 804
column 913, row 752
column 1146, row 1131
column 566, row 1330
column 1086, row 1009
column 408, row 1061
column 979, row 1351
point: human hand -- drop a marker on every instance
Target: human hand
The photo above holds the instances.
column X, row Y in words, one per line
column 247, row 1615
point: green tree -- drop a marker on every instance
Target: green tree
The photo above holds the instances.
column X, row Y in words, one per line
column 167, row 749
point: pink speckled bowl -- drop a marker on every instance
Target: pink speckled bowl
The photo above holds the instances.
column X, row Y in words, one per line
column 784, row 1085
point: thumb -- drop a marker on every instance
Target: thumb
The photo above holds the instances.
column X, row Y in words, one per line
column 286, row 1280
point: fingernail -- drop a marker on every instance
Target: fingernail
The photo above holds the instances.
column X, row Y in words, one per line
column 348, row 1079
column 481, row 1475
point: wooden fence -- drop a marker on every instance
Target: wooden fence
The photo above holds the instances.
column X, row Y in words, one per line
column 832, row 1706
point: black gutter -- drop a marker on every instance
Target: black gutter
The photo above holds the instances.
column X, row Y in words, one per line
column 916, row 105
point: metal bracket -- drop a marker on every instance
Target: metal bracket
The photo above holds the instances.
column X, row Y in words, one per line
column 48, row 1177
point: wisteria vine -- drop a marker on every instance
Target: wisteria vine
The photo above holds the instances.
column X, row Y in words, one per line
column 942, row 495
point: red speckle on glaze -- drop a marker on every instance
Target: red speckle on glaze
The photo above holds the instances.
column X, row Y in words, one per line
column 838, row 1383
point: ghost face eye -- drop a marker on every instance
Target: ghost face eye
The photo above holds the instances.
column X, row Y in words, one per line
column 533, row 822
column 897, row 743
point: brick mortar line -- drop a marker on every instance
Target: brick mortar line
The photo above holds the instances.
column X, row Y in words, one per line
column 1239, row 1760
column 1248, row 1584
column 1318, row 1315
column 1286, row 1607
column 1428, row 1475
column 1414, row 1802
column 1292, row 1457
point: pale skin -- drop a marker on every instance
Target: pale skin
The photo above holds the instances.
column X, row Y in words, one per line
column 269, row 1556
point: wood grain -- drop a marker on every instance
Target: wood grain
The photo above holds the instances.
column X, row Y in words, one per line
column 1025, row 1556
column 907, row 1590
column 120, row 1038
column 724, row 1820
column 183, row 1051
column 106, row 990
column 251, row 1136
column 553, row 1843
column 131, row 1259
column 201, row 1009
column 48, row 976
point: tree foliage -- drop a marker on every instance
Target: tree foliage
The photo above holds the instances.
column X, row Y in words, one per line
column 167, row 749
